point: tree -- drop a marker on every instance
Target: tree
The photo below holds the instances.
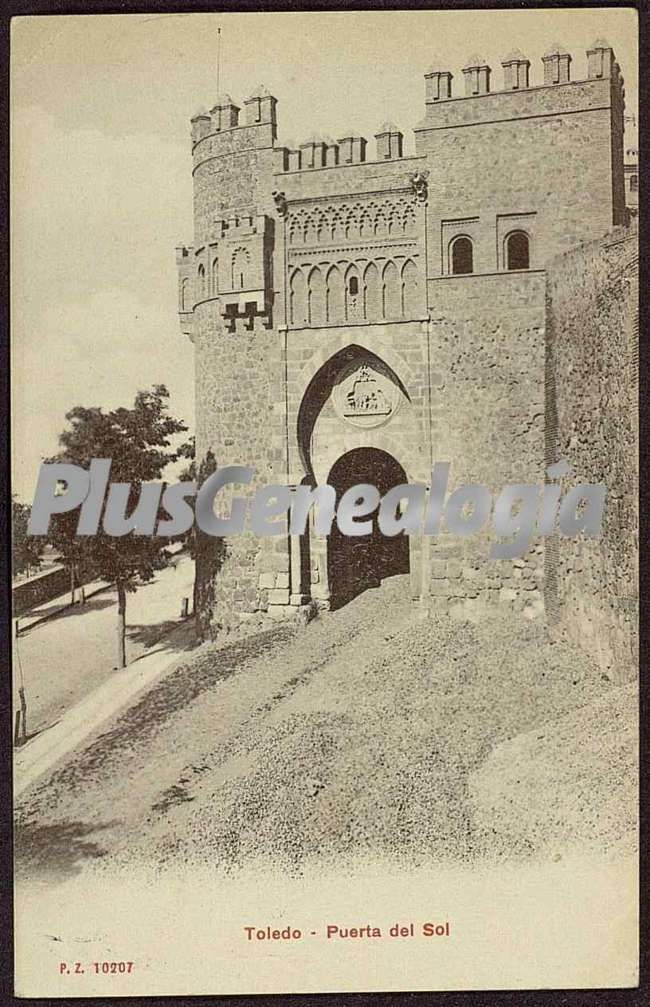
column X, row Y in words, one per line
column 26, row 549
column 188, row 474
column 138, row 442
column 208, row 551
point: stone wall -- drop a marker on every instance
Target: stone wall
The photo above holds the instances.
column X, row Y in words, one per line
column 306, row 261
column 239, row 383
column 540, row 159
column 39, row 589
column 592, row 397
column 487, row 419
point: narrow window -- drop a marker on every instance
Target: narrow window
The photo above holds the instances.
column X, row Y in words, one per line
column 517, row 251
column 634, row 183
column 240, row 269
column 353, row 286
column 462, row 256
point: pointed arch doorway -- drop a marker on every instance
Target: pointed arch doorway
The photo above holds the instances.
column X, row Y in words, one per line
column 357, row 563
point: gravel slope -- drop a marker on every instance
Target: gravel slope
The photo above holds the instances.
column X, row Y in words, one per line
column 364, row 732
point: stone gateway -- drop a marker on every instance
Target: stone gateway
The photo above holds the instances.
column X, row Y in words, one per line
column 359, row 314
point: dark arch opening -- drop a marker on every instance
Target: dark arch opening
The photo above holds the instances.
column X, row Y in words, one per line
column 517, row 250
column 462, row 256
column 356, row 563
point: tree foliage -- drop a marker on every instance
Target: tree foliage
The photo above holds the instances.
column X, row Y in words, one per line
column 26, row 549
column 188, row 474
column 138, row 442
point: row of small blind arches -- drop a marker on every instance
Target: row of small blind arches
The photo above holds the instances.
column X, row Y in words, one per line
column 462, row 261
column 240, row 262
column 327, row 296
column 517, row 253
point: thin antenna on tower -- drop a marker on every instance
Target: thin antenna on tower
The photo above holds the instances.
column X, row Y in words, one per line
column 218, row 62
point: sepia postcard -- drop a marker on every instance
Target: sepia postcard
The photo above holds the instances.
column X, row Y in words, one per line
column 324, row 363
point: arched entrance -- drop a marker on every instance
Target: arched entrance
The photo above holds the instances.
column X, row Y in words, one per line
column 356, row 563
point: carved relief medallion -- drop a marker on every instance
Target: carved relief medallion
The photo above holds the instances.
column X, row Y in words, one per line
column 365, row 395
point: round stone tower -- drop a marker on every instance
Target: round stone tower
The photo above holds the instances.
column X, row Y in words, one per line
column 230, row 310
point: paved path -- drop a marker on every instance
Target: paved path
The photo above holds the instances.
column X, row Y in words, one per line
column 45, row 750
column 62, row 660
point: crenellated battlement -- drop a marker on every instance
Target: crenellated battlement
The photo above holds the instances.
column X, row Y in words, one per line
column 524, row 95
column 351, row 148
column 224, row 115
column 556, row 69
column 221, row 130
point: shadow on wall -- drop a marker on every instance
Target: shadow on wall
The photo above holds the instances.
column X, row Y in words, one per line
column 209, row 553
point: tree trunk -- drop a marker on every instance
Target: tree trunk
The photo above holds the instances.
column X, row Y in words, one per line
column 121, row 625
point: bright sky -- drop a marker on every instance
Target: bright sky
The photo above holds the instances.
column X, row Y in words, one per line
column 101, row 167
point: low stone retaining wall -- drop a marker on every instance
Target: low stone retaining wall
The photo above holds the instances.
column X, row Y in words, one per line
column 39, row 589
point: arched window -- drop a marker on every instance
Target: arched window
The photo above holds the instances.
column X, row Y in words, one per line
column 353, row 305
column 517, row 251
column 316, row 297
column 409, row 220
column 338, row 229
column 240, row 261
column 298, row 299
column 391, row 292
column 351, row 226
column 201, row 283
column 184, row 299
column 215, row 276
column 335, row 296
column 372, row 294
column 462, row 256
column 310, row 232
column 409, row 289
